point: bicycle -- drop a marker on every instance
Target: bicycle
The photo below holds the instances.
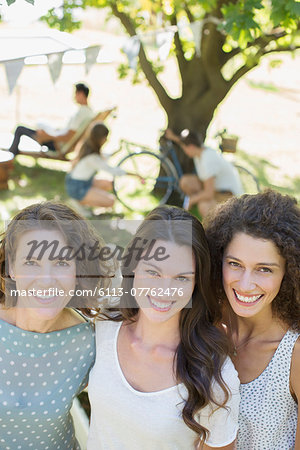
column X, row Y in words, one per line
column 160, row 172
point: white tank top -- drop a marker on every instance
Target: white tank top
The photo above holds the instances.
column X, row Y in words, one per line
column 268, row 413
column 126, row 419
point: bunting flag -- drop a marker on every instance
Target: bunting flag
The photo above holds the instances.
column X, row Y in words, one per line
column 163, row 38
column 13, row 70
column 132, row 48
column 197, row 28
column 164, row 41
column 91, row 54
column 55, row 65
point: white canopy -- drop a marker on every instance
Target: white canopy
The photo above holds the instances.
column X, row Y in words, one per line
column 20, row 43
column 17, row 45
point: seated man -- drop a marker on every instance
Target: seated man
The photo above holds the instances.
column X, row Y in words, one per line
column 55, row 139
column 216, row 179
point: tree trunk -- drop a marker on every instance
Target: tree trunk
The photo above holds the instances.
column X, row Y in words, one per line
column 194, row 115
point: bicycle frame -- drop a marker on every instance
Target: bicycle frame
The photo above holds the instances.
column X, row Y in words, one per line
column 170, row 150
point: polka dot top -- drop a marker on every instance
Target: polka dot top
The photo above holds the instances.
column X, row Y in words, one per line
column 268, row 413
column 40, row 374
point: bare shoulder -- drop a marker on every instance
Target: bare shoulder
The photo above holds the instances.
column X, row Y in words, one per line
column 295, row 370
column 7, row 314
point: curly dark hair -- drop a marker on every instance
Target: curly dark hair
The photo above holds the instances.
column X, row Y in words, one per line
column 203, row 348
column 267, row 215
column 90, row 273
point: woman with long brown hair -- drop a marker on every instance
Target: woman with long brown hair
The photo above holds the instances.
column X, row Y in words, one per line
column 162, row 378
column 81, row 183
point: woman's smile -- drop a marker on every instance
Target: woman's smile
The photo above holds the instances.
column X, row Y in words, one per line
column 248, row 299
column 160, row 305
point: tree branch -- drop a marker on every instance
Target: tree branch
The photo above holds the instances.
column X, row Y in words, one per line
column 261, row 52
column 146, row 66
column 239, row 73
column 261, row 41
column 188, row 13
column 281, row 49
column 178, row 48
column 212, row 56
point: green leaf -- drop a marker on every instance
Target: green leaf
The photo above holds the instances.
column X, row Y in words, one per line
column 10, row 2
column 293, row 8
column 30, row 1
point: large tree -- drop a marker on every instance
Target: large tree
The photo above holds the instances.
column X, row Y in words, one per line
column 235, row 35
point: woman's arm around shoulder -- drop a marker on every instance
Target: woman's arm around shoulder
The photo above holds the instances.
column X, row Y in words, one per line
column 295, row 385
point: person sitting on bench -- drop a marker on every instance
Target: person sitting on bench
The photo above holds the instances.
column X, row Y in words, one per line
column 52, row 138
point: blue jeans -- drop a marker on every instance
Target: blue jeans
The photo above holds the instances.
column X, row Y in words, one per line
column 77, row 188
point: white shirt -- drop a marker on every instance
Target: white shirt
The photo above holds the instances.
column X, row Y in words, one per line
column 212, row 164
column 126, row 419
column 80, row 118
column 91, row 164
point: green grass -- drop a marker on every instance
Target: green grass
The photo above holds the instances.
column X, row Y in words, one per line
column 30, row 182
column 34, row 181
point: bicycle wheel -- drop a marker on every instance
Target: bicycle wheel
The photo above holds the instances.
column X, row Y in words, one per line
column 249, row 181
column 159, row 181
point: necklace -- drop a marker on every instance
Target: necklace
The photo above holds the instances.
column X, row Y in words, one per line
column 242, row 344
column 237, row 347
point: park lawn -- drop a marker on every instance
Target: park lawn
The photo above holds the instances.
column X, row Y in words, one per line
column 34, row 181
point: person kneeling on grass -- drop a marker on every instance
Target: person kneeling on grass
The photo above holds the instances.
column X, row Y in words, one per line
column 81, row 183
column 215, row 180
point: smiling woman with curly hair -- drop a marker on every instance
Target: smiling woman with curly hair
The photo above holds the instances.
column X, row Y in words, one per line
column 255, row 247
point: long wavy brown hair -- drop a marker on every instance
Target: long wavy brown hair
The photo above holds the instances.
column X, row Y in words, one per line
column 93, row 142
column 203, row 347
column 90, row 273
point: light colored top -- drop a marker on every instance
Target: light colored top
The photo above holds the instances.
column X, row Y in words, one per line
column 126, row 419
column 212, row 164
column 268, row 413
column 80, row 118
column 83, row 115
column 88, row 166
column 41, row 373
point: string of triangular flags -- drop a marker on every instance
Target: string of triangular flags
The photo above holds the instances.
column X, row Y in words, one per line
column 14, row 67
column 162, row 39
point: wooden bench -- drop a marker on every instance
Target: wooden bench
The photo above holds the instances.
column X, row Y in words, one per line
column 69, row 146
